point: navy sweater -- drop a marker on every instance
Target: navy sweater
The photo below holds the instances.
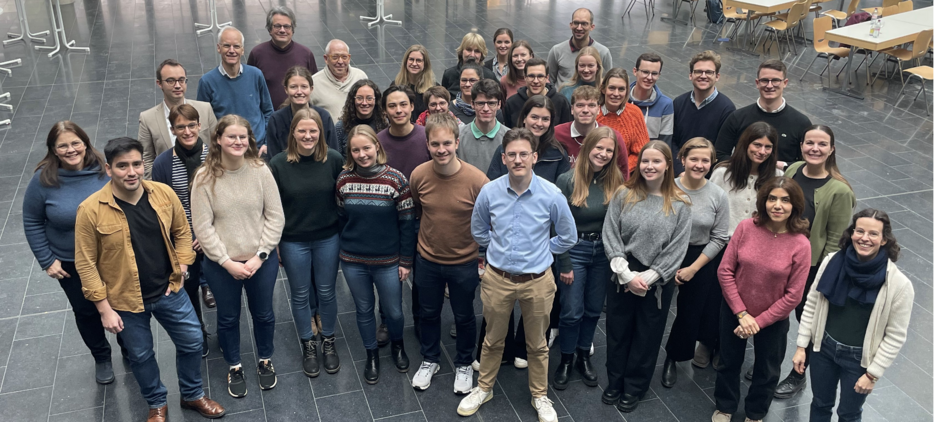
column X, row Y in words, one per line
column 307, row 192
column 49, row 213
column 277, row 130
column 246, row 96
column 691, row 122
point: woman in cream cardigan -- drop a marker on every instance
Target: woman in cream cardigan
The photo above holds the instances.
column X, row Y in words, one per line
column 856, row 315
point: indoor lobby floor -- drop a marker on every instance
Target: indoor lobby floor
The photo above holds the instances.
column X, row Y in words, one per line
column 884, row 149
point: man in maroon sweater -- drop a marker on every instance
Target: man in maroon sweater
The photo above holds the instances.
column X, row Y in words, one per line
column 273, row 58
column 584, row 109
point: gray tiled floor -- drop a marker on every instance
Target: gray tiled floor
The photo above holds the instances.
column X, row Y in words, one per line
column 884, row 150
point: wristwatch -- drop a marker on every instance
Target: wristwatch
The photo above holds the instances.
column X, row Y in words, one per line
column 872, row 378
column 742, row 314
column 263, row 256
column 186, row 275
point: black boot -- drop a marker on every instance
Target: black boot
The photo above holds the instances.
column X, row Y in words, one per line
column 372, row 367
column 583, row 365
column 627, row 403
column 310, row 357
column 399, row 356
column 563, row 373
column 329, row 354
column 610, row 396
column 790, row 386
column 670, row 373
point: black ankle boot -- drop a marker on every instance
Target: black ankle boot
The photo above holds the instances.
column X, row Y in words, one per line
column 669, row 373
column 610, row 396
column 372, row 367
column 792, row 385
column 399, row 356
column 627, row 403
column 583, row 365
column 310, row 365
column 329, row 354
column 563, row 373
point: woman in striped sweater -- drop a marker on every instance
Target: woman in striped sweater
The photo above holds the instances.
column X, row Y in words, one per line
column 622, row 116
column 378, row 241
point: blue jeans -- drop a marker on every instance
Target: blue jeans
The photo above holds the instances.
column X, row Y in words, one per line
column 836, row 362
column 583, row 300
column 299, row 259
column 430, row 280
column 227, row 293
column 177, row 316
column 361, row 279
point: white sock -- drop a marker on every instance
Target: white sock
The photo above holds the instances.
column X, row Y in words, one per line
column 237, row 366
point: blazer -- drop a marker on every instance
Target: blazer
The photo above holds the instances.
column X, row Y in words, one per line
column 154, row 131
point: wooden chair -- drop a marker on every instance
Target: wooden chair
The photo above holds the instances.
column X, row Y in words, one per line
column 924, row 73
column 919, row 48
column 842, row 16
column 795, row 15
column 886, row 3
column 889, row 10
column 823, row 48
column 904, row 6
column 734, row 17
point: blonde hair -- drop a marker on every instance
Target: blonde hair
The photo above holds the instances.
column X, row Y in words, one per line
column 587, row 51
column 320, row 153
column 610, row 175
column 367, row 132
column 426, row 77
column 638, row 191
column 475, row 41
column 697, row 142
column 211, row 168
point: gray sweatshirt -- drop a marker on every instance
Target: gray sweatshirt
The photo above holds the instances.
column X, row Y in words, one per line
column 710, row 218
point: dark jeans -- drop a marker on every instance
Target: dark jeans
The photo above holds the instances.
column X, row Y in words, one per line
column 176, row 315
column 698, row 309
column 769, row 349
column 87, row 318
column 583, row 300
column 836, row 362
column 812, row 272
column 430, row 280
column 228, row 295
column 191, row 288
column 635, row 326
column 361, row 279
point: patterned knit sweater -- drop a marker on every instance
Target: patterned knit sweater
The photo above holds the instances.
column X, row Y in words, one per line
column 377, row 215
column 630, row 123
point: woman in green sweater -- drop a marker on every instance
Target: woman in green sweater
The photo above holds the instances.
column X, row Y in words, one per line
column 584, row 270
column 306, row 175
column 829, row 202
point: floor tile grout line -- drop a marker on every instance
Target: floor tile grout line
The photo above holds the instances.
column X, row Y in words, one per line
column 58, row 362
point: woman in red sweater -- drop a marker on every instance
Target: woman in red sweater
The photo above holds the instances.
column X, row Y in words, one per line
column 762, row 276
column 622, row 116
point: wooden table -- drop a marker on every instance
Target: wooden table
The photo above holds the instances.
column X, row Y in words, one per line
column 759, row 6
column 897, row 29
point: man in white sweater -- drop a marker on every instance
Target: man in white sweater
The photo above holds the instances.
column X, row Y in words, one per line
column 334, row 81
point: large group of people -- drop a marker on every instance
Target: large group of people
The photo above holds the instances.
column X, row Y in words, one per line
column 556, row 183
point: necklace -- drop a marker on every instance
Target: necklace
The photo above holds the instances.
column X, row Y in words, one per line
column 776, row 234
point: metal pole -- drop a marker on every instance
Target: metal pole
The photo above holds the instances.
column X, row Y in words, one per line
column 380, row 17
column 58, row 29
column 213, row 13
column 24, row 27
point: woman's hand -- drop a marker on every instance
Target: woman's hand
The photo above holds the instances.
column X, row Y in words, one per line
column 404, row 273
column 798, row 360
column 236, row 269
column 55, row 271
column 253, row 264
column 748, row 326
column 684, row 275
column 567, row 278
column 196, row 245
column 864, row 385
column 637, row 286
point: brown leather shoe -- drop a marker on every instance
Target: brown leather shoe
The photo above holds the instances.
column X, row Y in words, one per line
column 205, row 406
column 208, row 297
column 158, row 415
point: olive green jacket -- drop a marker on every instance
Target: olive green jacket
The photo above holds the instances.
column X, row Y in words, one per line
column 834, row 206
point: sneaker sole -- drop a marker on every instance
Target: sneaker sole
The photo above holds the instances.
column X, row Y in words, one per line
column 430, row 381
column 463, row 412
column 234, row 395
column 275, row 380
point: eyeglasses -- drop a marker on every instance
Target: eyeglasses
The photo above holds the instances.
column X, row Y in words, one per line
column 416, row 60
column 535, row 76
column 190, row 126
column 173, row 81
column 580, row 23
column 522, row 155
column 766, row 82
column 75, row 145
column 281, row 26
column 360, row 99
column 341, row 57
column 481, row 104
column 699, row 72
column 471, row 81
column 648, row 74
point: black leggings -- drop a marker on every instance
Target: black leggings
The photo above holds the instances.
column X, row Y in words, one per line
column 87, row 318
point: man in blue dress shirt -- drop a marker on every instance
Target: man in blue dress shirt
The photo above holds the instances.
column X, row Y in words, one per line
column 512, row 219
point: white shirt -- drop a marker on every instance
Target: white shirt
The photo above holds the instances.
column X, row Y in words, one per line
column 223, row 72
column 777, row 110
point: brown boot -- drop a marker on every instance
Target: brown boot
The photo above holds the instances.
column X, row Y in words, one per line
column 205, row 406
column 158, row 415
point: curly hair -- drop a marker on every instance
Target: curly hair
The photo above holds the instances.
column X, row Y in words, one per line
column 349, row 116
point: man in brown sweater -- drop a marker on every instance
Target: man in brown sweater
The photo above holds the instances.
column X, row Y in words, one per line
column 444, row 191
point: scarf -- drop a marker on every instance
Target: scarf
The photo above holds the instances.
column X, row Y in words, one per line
column 191, row 159
column 463, row 106
column 846, row 276
column 370, row 171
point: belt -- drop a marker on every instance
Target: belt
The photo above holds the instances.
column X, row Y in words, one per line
column 516, row 278
column 593, row 237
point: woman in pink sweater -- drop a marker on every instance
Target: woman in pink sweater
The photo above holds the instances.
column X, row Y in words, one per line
column 762, row 276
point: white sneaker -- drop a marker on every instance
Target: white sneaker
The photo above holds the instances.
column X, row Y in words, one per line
column 553, row 334
column 475, row 366
column 464, row 379
column 544, row 408
column 720, row 416
column 520, row 363
column 423, row 378
column 592, row 350
column 472, row 402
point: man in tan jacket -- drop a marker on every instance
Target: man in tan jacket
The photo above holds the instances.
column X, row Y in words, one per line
column 155, row 134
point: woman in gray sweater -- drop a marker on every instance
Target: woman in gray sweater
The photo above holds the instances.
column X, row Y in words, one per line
column 646, row 233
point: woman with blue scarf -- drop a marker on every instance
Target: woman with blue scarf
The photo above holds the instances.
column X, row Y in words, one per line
column 856, row 315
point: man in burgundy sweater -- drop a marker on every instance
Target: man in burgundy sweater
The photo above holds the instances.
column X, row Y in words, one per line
column 273, row 58
column 584, row 110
